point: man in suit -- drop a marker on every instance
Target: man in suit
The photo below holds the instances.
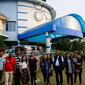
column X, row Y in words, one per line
column 58, row 67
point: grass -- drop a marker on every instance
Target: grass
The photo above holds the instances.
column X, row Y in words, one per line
column 53, row 81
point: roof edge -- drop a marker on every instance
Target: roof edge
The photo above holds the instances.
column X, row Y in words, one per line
column 52, row 11
column 80, row 19
column 2, row 16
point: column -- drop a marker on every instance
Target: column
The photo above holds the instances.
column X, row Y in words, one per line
column 18, row 43
column 48, row 44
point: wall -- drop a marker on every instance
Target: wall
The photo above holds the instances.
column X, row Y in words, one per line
column 9, row 9
column 30, row 16
column 25, row 14
column 1, row 27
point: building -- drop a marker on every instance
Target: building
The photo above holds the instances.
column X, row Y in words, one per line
column 3, row 20
column 23, row 15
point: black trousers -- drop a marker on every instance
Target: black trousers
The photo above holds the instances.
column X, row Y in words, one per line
column 79, row 74
column 17, row 77
column 69, row 78
column 44, row 76
column 1, row 74
column 59, row 76
column 33, row 77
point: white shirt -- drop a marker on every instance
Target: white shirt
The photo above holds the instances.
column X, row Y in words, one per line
column 57, row 61
column 62, row 59
column 23, row 65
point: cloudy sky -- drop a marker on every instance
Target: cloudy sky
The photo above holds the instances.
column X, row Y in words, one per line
column 64, row 7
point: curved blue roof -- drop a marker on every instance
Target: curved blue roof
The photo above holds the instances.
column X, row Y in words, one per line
column 80, row 19
column 64, row 26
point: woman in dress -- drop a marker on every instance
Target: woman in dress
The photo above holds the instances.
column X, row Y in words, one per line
column 33, row 67
column 78, row 68
column 24, row 70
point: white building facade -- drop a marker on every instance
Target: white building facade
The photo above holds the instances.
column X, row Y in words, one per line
column 23, row 15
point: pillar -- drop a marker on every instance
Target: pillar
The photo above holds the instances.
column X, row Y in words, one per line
column 48, row 44
column 18, row 43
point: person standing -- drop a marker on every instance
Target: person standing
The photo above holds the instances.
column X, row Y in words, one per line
column 50, row 59
column 69, row 68
column 17, row 74
column 24, row 70
column 45, row 68
column 51, row 64
column 2, row 63
column 33, row 67
column 78, row 69
column 58, row 62
column 9, row 68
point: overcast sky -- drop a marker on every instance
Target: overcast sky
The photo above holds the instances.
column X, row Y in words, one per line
column 64, row 7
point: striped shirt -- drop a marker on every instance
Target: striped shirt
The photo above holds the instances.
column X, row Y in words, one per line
column 18, row 60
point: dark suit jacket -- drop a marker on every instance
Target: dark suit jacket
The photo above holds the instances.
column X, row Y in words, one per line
column 61, row 63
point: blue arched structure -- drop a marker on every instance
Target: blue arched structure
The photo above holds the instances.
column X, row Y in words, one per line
column 81, row 21
column 70, row 25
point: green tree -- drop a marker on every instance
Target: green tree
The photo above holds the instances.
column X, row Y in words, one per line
column 2, row 43
column 77, row 45
column 64, row 44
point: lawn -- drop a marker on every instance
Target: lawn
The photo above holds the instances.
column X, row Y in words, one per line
column 53, row 81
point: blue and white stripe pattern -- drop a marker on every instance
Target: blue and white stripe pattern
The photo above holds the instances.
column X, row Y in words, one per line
column 22, row 18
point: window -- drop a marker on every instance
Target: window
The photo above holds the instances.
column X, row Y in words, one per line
column 11, row 26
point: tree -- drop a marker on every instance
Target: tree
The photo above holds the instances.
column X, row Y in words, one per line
column 2, row 43
column 77, row 45
column 64, row 44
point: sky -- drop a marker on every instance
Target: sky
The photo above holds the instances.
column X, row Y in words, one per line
column 64, row 7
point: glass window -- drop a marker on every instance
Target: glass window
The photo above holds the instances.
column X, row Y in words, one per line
column 11, row 26
column 6, row 26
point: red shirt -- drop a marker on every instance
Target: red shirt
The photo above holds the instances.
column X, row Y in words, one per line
column 10, row 64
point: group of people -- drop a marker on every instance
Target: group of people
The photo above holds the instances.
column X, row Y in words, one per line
column 20, row 68
column 17, row 68
column 71, row 64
